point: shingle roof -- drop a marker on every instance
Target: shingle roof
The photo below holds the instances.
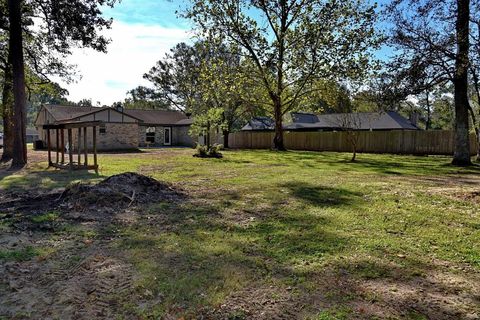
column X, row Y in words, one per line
column 155, row 117
column 184, row 122
column 259, row 123
column 159, row 117
column 389, row 120
column 61, row 113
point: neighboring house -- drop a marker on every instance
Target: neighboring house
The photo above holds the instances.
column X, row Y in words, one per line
column 31, row 135
column 121, row 129
column 259, row 124
column 366, row 121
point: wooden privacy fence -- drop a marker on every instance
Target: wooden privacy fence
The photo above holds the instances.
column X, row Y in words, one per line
column 397, row 142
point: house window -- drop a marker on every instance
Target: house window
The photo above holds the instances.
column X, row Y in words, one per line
column 103, row 129
column 150, row 135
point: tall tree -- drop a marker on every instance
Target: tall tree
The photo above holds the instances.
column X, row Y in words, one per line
column 62, row 25
column 293, row 42
column 199, row 77
column 175, row 78
column 19, row 154
column 434, row 35
column 224, row 85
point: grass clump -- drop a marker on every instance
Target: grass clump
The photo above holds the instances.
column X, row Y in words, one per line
column 19, row 255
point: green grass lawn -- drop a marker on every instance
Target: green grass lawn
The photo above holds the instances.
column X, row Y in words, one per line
column 300, row 234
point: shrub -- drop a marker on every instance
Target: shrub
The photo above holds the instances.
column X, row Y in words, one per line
column 203, row 151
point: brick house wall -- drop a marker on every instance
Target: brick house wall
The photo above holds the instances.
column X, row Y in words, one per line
column 179, row 136
column 117, row 136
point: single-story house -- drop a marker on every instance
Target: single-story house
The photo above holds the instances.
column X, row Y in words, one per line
column 121, row 129
column 362, row 121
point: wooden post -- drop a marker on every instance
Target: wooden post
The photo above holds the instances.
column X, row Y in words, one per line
column 57, row 145
column 70, row 149
column 79, row 158
column 49, row 146
column 85, row 146
column 95, row 149
column 63, row 145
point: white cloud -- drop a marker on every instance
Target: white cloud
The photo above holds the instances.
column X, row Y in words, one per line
column 133, row 51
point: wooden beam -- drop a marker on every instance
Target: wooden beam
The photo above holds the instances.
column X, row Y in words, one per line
column 79, row 138
column 57, row 145
column 63, row 145
column 85, row 146
column 70, row 149
column 72, row 125
column 49, row 147
column 74, row 167
column 95, row 149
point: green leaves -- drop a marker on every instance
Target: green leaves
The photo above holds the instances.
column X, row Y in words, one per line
column 290, row 44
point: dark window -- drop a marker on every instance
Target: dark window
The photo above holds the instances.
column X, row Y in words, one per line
column 150, row 135
column 103, row 129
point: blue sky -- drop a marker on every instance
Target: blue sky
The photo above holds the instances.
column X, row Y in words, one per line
column 142, row 32
column 149, row 12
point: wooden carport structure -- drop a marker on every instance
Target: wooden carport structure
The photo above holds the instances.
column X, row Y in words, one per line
column 82, row 127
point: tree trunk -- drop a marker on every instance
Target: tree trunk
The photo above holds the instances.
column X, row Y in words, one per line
column 18, row 71
column 461, row 155
column 208, row 136
column 429, row 112
column 7, row 114
column 278, row 139
column 226, row 133
column 278, row 114
column 352, row 137
column 475, row 123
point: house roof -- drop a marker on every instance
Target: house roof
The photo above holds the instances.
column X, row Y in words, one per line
column 389, row 120
column 154, row 117
column 259, row 123
column 159, row 117
column 184, row 122
column 62, row 113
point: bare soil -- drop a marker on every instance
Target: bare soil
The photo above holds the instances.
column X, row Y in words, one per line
column 82, row 277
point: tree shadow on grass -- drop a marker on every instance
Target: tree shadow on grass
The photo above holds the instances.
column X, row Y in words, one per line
column 366, row 162
column 205, row 266
column 373, row 287
column 322, row 196
column 42, row 179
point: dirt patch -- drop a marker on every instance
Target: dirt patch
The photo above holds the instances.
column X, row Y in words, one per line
column 91, row 288
column 437, row 292
column 258, row 302
column 473, row 196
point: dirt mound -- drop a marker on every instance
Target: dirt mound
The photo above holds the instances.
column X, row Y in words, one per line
column 103, row 201
column 117, row 191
